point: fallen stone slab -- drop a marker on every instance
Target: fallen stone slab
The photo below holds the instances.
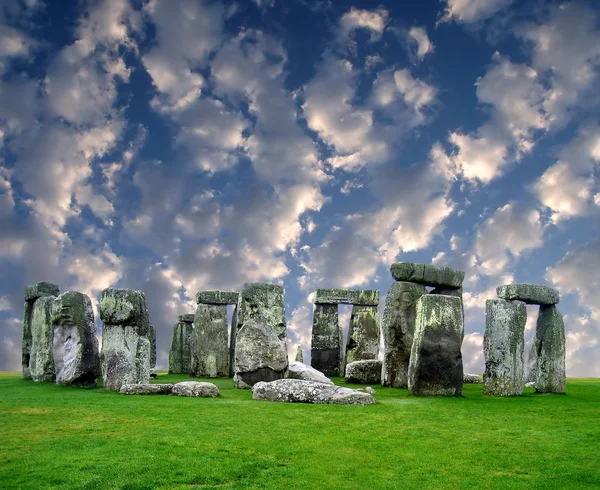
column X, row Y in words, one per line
column 146, row 389
column 472, row 378
column 429, row 275
column 300, row 391
column 359, row 297
column 365, row 372
column 199, row 389
column 550, row 335
column 299, row 370
column 216, row 297
column 40, row 290
column 532, row 294
column 326, row 352
column 363, row 334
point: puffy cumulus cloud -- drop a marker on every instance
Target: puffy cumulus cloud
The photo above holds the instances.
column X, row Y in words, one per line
column 582, row 347
column 419, row 43
column 472, row 11
column 374, row 21
column 480, row 157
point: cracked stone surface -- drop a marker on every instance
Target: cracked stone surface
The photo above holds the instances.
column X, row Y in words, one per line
column 300, row 391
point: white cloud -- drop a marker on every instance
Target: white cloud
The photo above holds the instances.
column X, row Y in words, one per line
column 419, row 43
column 374, row 21
column 472, row 11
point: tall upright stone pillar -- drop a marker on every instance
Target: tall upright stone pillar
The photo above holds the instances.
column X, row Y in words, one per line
column 180, row 352
column 326, row 349
column 41, row 363
column 210, row 350
column 363, row 334
column 532, row 361
column 550, row 334
column 152, row 340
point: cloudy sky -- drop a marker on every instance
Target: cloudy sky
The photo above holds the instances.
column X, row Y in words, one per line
column 187, row 145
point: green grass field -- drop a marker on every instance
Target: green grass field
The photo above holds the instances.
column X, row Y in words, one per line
column 58, row 437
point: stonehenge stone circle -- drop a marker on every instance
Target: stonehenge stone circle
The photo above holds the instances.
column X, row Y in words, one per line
column 217, row 297
column 550, row 335
column 399, row 319
column 41, row 361
column 180, row 352
column 359, row 297
column 300, row 391
column 436, row 360
column 429, row 275
column 125, row 356
column 209, row 344
column 299, row 370
column 532, row 294
column 363, row 334
column 503, row 347
column 365, row 372
column 299, row 355
column 326, row 350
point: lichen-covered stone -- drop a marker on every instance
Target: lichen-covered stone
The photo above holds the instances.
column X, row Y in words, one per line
column 180, row 352
column 436, row 366
column 360, row 297
column 472, row 378
column 40, row 290
column 429, row 275
column 399, row 319
column 550, row 334
column 365, row 372
column 363, row 334
column 217, row 297
column 532, row 361
column 41, row 362
column 299, row 370
column 75, row 345
column 125, row 307
column 152, row 339
column 186, row 318
column 146, row 389
column 209, row 344
column 503, row 347
column 532, row 294
column 326, row 349
column 196, row 389
column 299, row 355
column 235, row 326
column 264, row 303
column 300, row 391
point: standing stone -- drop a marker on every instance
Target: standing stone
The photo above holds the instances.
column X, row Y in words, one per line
column 299, row 355
column 126, row 352
column 550, row 334
column 235, row 326
column 152, row 340
column 75, row 345
column 41, row 362
column 399, row 319
column 366, row 372
column 180, row 352
column 436, row 366
column 210, row 352
column 326, row 350
column 363, row 334
column 503, row 347
column 532, row 361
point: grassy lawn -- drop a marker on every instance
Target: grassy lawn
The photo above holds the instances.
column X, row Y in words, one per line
column 57, row 437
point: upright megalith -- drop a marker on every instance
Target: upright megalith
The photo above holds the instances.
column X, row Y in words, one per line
column 180, row 352
column 503, row 347
column 299, row 355
column 326, row 349
column 363, row 334
column 436, row 366
column 126, row 351
column 550, row 337
column 532, row 361
column 210, row 350
column 41, row 361
column 75, row 345
column 399, row 319
column 152, row 339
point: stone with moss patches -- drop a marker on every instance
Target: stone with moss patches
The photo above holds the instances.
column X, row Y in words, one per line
column 152, row 339
column 365, row 372
column 299, row 355
column 532, row 361
column 550, row 334
column 429, row 275
column 180, row 351
column 326, row 347
column 40, row 290
column 532, row 294
column 146, row 389
column 503, row 347
column 75, row 345
column 360, row 297
column 196, row 389
column 264, row 302
column 41, row 362
column 186, row 318
column 217, row 297
column 363, row 334
column 26, row 340
column 399, row 319
column 301, row 391
column 436, row 366
column 125, row 307
column 209, row 344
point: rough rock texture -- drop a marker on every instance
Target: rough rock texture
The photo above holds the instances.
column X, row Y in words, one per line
column 299, row 370
column 435, row 360
column 550, row 333
column 217, row 297
column 196, row 389
column 40, row 290
column 472, row 378
column 153, row 373
column 41, row 361
column 180, row 352
column 503, row 347
column 300, row 391
column 369, row 390
column 532, row 294
column 363, row 334
column 299, row 354
column 235, row 326
column 210, row 349
column 366, row 372
column 532, row 361
column 326, row 349
column 399, row 319
column 146, row 389
column 430, row 275
column 264, row 303
column 126, row 351
column 152, row 339
column 75, row 345
column 360, row 297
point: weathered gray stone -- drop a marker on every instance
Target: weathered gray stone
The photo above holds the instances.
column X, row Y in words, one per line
column 186, row 318
column 472, row 378
column 363, row 334
column 365, row 372
column 370, row 390
column 75, row 345
column 153, row 373
column 146, row 389
column 299, row 354
column 530, row 384
column 209, row 344
column 532, row 294
column 40, row 290
column 180, row 352
column 550, row 333
column 299, row 370
column 503, row 347
column 264, row 303
column 435, row 360
column 217, row 297
column 235, row 326
column 532, row 361
column 152, row 339
column 399, row 319
column 360, row 297
column 125, row 307
column 326, row 349
column 430, row 275
column 196, row 389
column 300, row 391
column 41, row 362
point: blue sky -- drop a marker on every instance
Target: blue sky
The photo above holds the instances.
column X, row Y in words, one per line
column 187, row 145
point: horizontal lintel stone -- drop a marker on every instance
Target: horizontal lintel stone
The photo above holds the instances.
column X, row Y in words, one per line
column 186, row 318
column 40, row 290
column 359, row 297
column 532, row 294
column 217, row 297
column 429, row 275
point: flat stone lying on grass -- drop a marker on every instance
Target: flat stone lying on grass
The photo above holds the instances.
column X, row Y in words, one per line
column 369, row 390
column 532, row 294
column 146, row 389
column 550, row 335
column 217, row 297
column 365, row 372
column 196, row 389
column 300, row 391
column 299, row 370
column 472, row 378
column 429, row 275
column 360, row 297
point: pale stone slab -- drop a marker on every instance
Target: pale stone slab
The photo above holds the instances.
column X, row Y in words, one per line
column 532, row 294
column 469, row 378
column 196, row 389
column 300, row 391
column 429, row 275
column 209, row 343
column 550, row 332
column 360, row 297
column 146, row 389
column 41, row 362
column 180, row 352
column 216, row 297
column 326, row 347
column 365, row 372
column 363, row 334
column 299, row 370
